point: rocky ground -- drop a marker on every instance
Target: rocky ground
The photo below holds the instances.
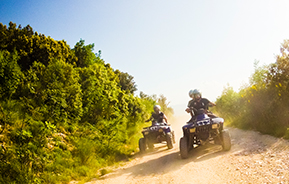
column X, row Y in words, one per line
column 253, row 158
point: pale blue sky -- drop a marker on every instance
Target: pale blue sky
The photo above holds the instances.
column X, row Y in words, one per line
column 168, row 46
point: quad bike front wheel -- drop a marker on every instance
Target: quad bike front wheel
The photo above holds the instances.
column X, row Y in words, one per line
column 142, row 145
column 226, row 140
column 169, row 138
column 218, row 140
column 184, row 150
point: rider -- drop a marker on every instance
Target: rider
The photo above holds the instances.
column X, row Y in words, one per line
column 198, row 103
column 157, row 116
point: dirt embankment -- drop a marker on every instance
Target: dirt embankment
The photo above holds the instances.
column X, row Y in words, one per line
column 254, row 158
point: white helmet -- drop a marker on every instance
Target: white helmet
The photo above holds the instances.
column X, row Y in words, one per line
column 157, row 108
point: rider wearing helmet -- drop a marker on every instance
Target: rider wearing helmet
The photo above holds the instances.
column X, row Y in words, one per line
column 198, row 103
column 157, row 116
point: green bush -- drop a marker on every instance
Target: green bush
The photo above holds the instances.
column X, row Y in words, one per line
column 263, row 104
column 64, row 113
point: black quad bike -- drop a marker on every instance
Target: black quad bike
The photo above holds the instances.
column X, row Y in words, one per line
column 201, row 130
column 157, row 133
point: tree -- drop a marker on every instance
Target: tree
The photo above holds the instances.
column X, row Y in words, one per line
column 31, row 46
column 84, row 54
column 10, row 74
column 126, row 82
column 162, row 101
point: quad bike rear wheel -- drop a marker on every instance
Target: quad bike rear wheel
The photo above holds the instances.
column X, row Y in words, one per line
column 226, row 140
column 150, row 144
column 142, row 145
column 169, row 138
column 173, row 136
column 184, row 150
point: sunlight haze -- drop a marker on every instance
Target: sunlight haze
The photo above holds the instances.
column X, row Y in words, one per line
column 169, row 47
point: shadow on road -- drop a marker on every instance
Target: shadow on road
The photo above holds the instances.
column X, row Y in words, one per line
column 169, row 160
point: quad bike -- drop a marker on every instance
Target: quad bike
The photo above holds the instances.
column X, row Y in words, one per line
column 156, row 133
column 202, row 129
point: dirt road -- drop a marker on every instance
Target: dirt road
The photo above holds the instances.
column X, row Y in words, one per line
column 253, row 158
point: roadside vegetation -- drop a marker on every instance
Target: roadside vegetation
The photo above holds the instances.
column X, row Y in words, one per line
column 262, row 104
column 64, row 112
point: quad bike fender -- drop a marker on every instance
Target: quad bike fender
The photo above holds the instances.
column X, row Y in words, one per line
column 218, row 120
column 168, row 130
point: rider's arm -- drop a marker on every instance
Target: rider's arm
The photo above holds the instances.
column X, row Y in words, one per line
column 165, row 118
column 190, row 106
column 208, row 103
column 151, row 118
column 211, row 104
